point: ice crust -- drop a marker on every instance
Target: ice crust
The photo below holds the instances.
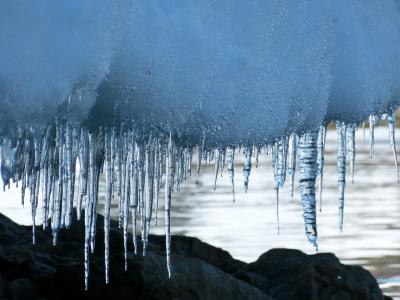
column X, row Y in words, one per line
column 242, row 71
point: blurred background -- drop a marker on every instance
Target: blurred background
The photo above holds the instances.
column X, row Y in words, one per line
column 248, row 227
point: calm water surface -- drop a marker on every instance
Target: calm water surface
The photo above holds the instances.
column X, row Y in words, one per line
column 248, row 227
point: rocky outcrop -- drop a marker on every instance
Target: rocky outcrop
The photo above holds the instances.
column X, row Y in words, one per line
column 200, row 271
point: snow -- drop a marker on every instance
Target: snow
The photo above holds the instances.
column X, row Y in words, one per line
column 242, row 71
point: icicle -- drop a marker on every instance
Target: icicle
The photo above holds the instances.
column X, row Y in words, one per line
column 141, row 184
column 392, row 139
column 157, row 174
column 71, row 164
column 107, row 204
column 257, row 155
column 126, row 198
column 22, row 170
column 230, row 156
column 123, row 181
column 279, row 166
column 373, row 122
column 341, row 166
column 185, row 159
column 7, row 162
column 118, row 175
column 216, row 167
column 88, row 207
column 180, row 167
column 247, row 167
column 134, row 193
column 98, row 163
column 292, row 161
column 65, row 175
column 351, row 151
column 200, row 152
column 363, row 129
column 133, row 164
column 222, row 161
column 150, row 187
column 35, row 183
column 58, row 194
column 280, row 162
column 321, row 160
column 83, row 157
column 169, row 168
column 308, row 172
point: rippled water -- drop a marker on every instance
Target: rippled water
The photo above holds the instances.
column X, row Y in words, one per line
column 248, row 227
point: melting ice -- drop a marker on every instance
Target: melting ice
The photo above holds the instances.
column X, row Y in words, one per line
column 141, row 91
column 136, row 166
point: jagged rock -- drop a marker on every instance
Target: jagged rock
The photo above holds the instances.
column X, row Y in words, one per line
column 200, row 271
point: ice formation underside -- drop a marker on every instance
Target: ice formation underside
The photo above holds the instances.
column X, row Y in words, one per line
column 145, row 93
column 139, row 169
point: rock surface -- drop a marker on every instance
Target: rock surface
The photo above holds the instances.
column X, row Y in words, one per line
column 200, row 271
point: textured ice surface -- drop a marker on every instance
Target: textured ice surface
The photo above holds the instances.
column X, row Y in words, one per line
column 239, row 70
column 52, row 53
column 134, row 89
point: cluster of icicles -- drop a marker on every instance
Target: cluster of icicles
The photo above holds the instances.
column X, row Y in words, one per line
column 137, row 167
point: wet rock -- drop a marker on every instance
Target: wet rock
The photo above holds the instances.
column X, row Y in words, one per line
column 200, row 271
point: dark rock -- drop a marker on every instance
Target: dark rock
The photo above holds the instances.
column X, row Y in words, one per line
column 200, row 271
column 23, row 289
column 291, row 274
column 3, row 288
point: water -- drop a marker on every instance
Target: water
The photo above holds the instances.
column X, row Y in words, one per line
column 247, row 228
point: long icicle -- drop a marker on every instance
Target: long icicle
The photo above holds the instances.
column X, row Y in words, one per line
column 88, row 209
column 157, row 171
column 321, row 160
column 149, row 186
column 217, row 162
column 98, row 163
column 58, row 193
column 247, row 167
column 71, row 171
column 279, row 165
column 351, row 151
column 126, row 198
column 308, row 165
column 107, row 205
column 373, row 122
column 35, row 182
column 83, row 156
column 341, row 167
column 134, row 193
column 45, row 166
column 292, row 161
column 169, row 168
